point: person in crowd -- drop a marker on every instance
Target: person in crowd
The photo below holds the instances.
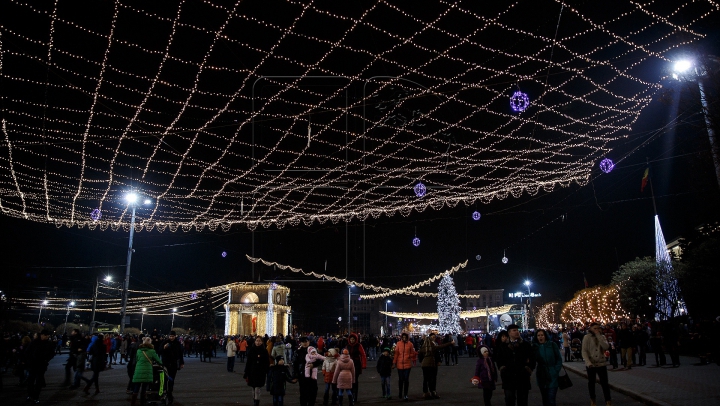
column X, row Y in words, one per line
column 657, row 344
column 516, row 363
column 132, row 361
column 345, row 377
column 357, row 354
column 313, row 362
column 256, row 368
column 402, row 360
column 594, row 346
column 97, row 351
column 432, row 358
column 172, row 356
column 627, row 343
column 231, row 350
column 566, row 344
column 279, row 374
column 454, row 349
column 242, row 349
column 471, row 345
column 75, row 343
column 384, row 368
column 80, row 358
column 549, row 363
column 143, row 375
column 328, row 370
column 278, row 349
column 485, row 374
column 299, row 372
column 39, row 353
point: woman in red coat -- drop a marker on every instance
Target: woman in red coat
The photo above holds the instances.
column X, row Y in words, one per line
column 344, row 376
column 404, row 356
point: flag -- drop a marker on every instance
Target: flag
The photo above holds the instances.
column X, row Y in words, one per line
column 645, row 179
column 585, row 280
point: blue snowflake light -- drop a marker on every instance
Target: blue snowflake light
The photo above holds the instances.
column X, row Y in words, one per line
column 519, row 101
column 224, row 254
column 476, row 216
column 95, row 215
column 416, row 242
column 478, row 257
column 420, row 189
column 606, row 165
column 193, row 296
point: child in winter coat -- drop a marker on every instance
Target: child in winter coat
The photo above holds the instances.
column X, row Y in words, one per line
column 313, row 361
column 344, row 376
column 328, row 370
column 278, row 375
column 485, row 374
column 384, row 368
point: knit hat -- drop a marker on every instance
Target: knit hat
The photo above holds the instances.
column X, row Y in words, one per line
column 172, row 333
column 303, row 339
column 483, row 350
column 513, row 326
column 346, row 352
column 386, row 349
column 311, row 349
column 333, row 352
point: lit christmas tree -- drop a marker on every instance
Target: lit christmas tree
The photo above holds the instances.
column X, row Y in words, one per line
column 448, row 306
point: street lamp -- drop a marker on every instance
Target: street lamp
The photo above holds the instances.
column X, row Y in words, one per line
column 688, row 70
column 71, row 304
column 172, row 323
column 527, row 283
column 349, row 304
column 131, row 199
column 44, row 303
column 142, row 318
column 386, row 307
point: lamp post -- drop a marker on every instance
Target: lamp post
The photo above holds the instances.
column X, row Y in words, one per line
column 71, row 304
column 142, row 318
column 131, row 199
column 172, row 323
column 44, row 303
column 527, row 283
column 386, row 307
column 349, row 304
column 688, row 70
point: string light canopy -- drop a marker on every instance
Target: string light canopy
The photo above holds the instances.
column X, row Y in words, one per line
column 190, row 111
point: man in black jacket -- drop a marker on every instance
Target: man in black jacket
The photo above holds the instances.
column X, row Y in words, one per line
column 39, row 354
column 172, row 358
column 516, row 362
column 627, row 343
column 76, row 342
column 299, row 373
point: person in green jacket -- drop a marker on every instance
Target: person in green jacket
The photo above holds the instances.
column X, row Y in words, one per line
column 549, row 363
column 143, row 375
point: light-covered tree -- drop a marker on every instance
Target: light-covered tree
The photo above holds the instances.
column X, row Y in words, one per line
column 448, row 306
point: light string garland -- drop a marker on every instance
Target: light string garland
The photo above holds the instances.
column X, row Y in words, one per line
column 493, row 311
column 600, row 303
column 548, row 315
column 189, row 121
column 385, row 291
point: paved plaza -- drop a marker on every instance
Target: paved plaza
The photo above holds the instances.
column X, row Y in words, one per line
column 210, row 384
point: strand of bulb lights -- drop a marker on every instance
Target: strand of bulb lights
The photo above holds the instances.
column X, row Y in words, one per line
column 601, row 303
column 199, row 216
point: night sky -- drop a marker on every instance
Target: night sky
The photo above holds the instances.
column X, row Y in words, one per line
column 551, row 239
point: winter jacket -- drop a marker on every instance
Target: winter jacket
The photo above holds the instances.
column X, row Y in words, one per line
column 486, row 373
column 278, row 350
column 344, row 372
column 172, row 356
column 593, row 350
column 231, row 348
column 310, row 369
column 39, row 354
column 299, row 362
column 256, row 366
column 431, row 352
column 328, row 368
column 384, row 365
column 549, row 363
column 144, row 366
column 243, row 346
column 516, row 362
column 279, row 375
column 404, row 355
column 96, row 350
column 357, row 353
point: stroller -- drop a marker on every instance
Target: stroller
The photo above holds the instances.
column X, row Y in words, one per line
column 576, row 350
column 156, row 392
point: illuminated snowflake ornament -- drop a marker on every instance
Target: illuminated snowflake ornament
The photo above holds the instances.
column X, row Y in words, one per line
column 519, row 101
column 193, row 296
column 416, row 242
column 96, row 215
column 504, row 258
column 476, row 215
column 224, row 254
column 420, row 189
column 606, row 165
column 478, row 257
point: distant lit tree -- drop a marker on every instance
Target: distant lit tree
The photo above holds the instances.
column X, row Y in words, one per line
column 448, row 306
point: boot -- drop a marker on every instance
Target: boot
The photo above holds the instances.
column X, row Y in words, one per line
column 435, row 395
column 257, row 402
column 592, row 402
column 351, row 401
column 133, row 401
column 326, row 398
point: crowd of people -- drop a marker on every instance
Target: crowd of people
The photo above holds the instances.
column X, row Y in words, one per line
column 335, row 364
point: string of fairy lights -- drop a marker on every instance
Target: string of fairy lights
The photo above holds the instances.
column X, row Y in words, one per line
column 599, row 303
column 182, row 304
column 214, row 142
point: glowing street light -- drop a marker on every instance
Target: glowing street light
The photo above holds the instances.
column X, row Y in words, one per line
column 131, row 198
column 71, row 304
column 386, row 308
column 172, row 324
column 44, row 303
column 142, row 318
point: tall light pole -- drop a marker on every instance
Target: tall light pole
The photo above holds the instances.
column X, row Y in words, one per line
column 44, row 303
column 349, row 304
column 688, row 70
column 131, row 199
column 71, row 304
column 386, row 307
column 142, row 319
column 527, row 283
column 172, row 323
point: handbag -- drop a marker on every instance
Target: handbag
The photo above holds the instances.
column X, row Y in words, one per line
column 564, row 380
